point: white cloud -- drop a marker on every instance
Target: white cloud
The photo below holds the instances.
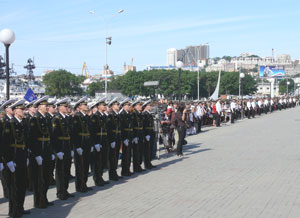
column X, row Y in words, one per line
column 141, row 29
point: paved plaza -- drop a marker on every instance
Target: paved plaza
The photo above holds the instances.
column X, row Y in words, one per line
column 249, row 169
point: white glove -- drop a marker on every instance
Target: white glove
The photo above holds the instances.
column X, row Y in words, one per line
column 135, row 140
column 126, row 142
column 72, row 153
column 53, row 156
column 11, row 166
column 113, row 145
column 27, row 163
column 60, row 155
column 1, row 167
column 92, row 149
column 39, row 160
column 147, row 138
column 97, row 147
column 79, row 151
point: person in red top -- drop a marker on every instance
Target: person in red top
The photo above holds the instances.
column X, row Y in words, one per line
column 214, row 112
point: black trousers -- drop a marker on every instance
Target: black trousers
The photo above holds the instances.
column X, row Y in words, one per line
column 38, row 191
column 29, row 183
column 98, row 166
column 199, row 124
column 147, row 154
column 181, row 134
column 136, row 150
column 218, row 119
column 112, row 162
column 4, row 182
column 82, row 168
column 126, row 158
column 62, row 175
column 20, row 174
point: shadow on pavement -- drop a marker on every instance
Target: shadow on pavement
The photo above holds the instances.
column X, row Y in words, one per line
column 62, row 208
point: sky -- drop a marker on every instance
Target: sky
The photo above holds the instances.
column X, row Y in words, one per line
column 63, row 34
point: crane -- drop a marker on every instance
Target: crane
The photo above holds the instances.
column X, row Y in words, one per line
column 85, row 71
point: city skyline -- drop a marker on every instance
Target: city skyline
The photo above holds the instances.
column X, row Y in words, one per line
column 64, row 34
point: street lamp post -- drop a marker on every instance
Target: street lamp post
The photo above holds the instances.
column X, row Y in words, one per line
column 287, row 87
column 107, row 42
column 179, row 65
column 198, row 82
column 7, row 37
column 242, row 75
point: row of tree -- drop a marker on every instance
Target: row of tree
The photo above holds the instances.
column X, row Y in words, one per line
column 132, row 83
column 61, row 82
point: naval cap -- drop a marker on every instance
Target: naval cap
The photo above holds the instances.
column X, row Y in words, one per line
column 62, row 102
column 100, row 101
column 138, row 101
column 42, row 101
column 80, row 102
column 146, row 103
column 126, row 100
column 8, row 103
column 18, row 105
column 115, row 100
column 30, row 104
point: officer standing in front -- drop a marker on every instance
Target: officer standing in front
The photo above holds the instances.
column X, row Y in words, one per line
column 8, row 116
column 148, row 133
column 82, row 144
column 99, row 140
column 39, row 142
column 114, row 139
column 31, row 111
column 61, row 141
column 49, row 115
column 138, row 136
column 127, row 136
column 15, row 156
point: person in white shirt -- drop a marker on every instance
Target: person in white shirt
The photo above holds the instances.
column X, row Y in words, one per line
column 199, row 115
column 253, row 105
column 218, row 114
column 259, row 104
column 249, row 108
column 272, row 105
column 233, row 110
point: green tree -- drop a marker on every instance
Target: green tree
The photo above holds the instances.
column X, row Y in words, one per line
column 248, row 85
column 283, row 86
column 95, row 87
column 61, row 83
column 229, row 83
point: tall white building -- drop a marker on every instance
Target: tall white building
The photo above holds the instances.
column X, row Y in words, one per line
column 190, row 55
column 171, row 57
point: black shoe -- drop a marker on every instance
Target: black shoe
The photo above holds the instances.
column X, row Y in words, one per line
column 14, row 215
column 70, row 195
column 153, row 166
column 82, row 190
column 113, row 179
column 50, row 203
column 99, row 183
column 41, row 207
column 119, row 177
column 89, row 189
column 71, row 177
column 25, row 212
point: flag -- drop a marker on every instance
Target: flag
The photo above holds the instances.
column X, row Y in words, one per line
column 30, row 96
